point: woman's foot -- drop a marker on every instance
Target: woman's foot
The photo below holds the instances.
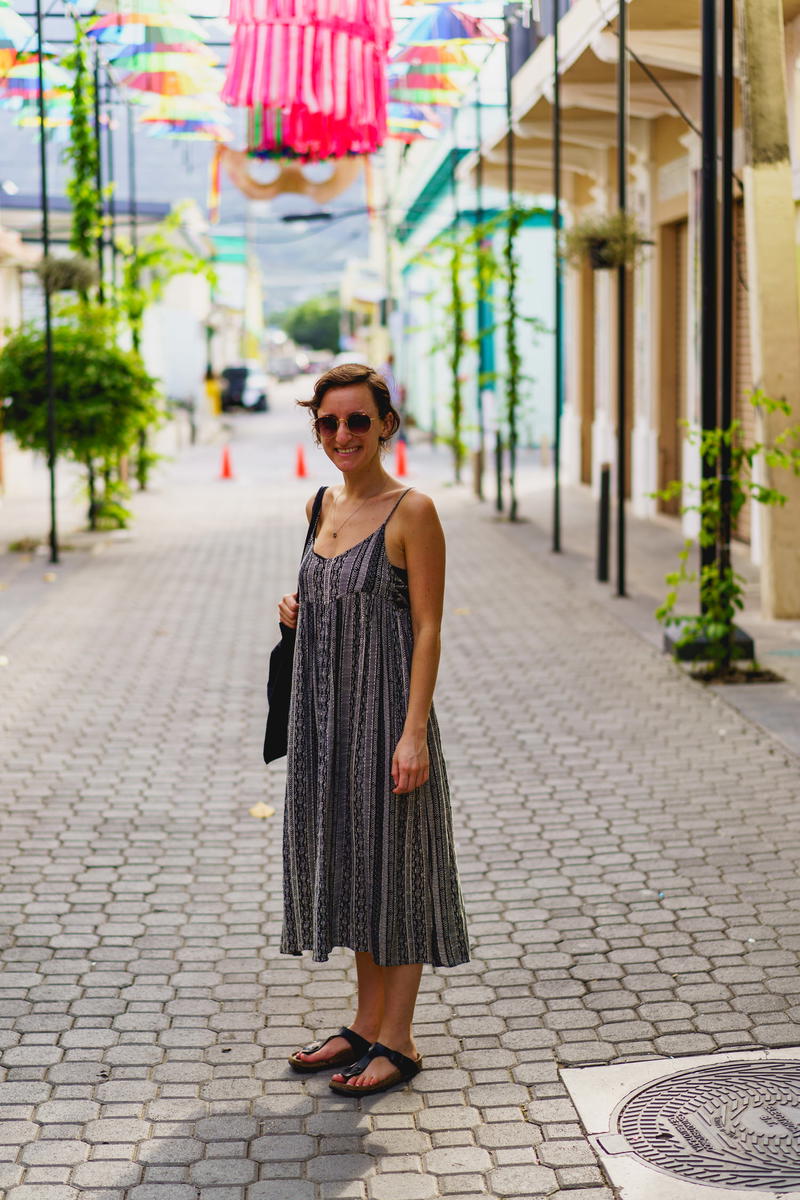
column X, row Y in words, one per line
column 379, row 1068
column 334, row 1047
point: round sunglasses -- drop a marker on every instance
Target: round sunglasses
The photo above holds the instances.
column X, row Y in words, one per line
column 356, row 422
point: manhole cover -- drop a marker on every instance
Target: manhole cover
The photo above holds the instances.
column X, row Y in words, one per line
column 732, row 1125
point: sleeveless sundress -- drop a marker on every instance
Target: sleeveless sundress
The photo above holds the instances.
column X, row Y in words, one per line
column 363, row 868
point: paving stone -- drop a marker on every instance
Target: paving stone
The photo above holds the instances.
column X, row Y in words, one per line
column 43, row 1191
column 339, row 1166
column 171, row 1150
column 283, row 1147
column 402, row 1187
column 223, row 1171
column 522, row 1181
column 296, row 1189
column 54, row 1151
column 106, row 1175
column 458, row 1160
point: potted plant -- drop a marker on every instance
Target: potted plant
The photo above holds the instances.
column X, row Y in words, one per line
column 711, row 638
column 605, row 241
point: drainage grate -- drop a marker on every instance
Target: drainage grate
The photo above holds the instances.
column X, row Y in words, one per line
column 734, row 1125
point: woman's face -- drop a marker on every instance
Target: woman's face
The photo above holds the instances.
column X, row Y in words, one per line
column 347, row 450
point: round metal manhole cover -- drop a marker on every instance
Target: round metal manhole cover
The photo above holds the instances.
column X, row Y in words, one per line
column 736, row 1125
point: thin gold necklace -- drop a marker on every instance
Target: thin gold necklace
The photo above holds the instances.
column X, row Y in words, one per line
column 335, row 532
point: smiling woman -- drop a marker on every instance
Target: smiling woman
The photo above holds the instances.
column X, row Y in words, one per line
column 369, row 859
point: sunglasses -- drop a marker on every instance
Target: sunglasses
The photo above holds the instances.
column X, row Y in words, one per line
column 356, row 422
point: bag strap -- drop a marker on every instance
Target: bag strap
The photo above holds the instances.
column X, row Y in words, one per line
column 315, row 511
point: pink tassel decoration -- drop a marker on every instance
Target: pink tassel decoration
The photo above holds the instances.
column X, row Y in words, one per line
column 313, row 74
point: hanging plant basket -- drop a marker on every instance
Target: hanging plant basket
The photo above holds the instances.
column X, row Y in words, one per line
column 606, row 241
column 74, row 274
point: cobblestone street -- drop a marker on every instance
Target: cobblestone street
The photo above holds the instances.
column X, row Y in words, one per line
column 628, row 846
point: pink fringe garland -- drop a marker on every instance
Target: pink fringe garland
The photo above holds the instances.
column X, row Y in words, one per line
column 319, row 65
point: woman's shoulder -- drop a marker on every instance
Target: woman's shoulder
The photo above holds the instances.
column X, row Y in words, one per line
column 418, row 516
column 417, row 504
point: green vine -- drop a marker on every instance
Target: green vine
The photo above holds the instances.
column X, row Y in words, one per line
column 721, row 587
column 81, row 152
column 477, row 252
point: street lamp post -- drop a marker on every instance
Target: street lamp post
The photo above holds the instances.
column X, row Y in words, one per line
column 709, row 257
column 727, row 242
column 559, row 284
column 622, row 298
column 48, row 323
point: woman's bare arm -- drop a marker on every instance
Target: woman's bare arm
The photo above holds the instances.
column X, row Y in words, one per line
column 423, row 544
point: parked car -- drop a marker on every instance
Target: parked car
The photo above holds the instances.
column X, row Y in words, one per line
column 284, row 367
column 255, row 396
column 243, row 387
column 233, row 381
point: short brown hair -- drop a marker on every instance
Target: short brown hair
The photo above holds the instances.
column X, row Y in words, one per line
column 351, row 375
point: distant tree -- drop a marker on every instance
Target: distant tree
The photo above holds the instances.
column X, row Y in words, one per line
column 315, row 323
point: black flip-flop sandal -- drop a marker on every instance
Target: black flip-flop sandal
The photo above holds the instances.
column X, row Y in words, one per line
column 358, row 1048
column 406, row 1069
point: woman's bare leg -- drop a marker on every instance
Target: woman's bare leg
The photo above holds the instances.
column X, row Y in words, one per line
column 369, row 1014
column 400, row 988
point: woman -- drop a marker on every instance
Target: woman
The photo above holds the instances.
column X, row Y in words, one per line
column 369, row 861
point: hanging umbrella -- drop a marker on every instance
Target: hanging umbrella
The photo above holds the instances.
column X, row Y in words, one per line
column 430, row 52
column 172, row 83
column 139, row 58
column 15, row 30
column 185, row 108
column 145, row 7
column 22, row 79
column 447, row 24
column 123, row 27
column 206, row 131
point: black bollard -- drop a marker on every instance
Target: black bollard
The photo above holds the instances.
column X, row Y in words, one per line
column 604, row 523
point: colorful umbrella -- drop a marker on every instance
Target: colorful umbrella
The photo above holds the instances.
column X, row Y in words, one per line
column 172, row 83
column 123, row 27
column 154, row 58
column 22, row 79
column 442, row 54
column 447, row 24
column 186, row 108
column 206, row 131
column 427, row 96
column 15, row 30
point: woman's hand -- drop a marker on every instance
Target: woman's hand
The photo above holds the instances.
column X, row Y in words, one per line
column 288, row 609
column 410, row 763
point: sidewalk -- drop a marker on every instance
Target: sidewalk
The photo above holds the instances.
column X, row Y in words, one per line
column 628, row 846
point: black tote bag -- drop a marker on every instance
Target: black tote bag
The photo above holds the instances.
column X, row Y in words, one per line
column 279, row 680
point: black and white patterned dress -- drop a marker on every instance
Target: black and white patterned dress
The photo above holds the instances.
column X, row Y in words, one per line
column 363, row 868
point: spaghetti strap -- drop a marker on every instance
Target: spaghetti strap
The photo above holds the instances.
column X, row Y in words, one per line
column 396, row 506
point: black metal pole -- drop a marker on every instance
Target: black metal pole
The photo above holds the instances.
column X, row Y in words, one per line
column 111, row 203
column 559, row 283
column 622, row 299
column 727, row 242
column 48, row 323
column 604, row 523
column 709, row 375
column 480, row 310
column 132, row 203
column 98, row 175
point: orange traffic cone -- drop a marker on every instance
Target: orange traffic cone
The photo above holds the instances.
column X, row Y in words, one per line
column 400, row 464
column 300, row 469
column 226, row 470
